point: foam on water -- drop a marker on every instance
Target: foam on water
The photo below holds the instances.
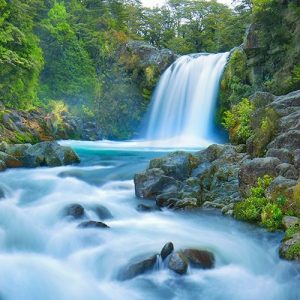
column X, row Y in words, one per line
column 44, row 255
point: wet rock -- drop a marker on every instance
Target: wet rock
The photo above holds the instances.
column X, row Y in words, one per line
column 290, row 249
column 2, row 165
column 166, row 250
column 10, row 161
column 137, row 268
column 50, row 154
column 92, row 224
column 289, row 221
column 145, row 208
column 199, row 258
column 74, row 210
column 170, row 203
column 186, row 203
column 102, row 212
column 178, row 263
column 178, row 165
column 153, row 182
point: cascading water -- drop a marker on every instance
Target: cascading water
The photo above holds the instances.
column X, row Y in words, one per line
column 183, row 106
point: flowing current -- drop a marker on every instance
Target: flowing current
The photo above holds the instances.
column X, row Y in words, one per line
column 45, row 256
column 182, row 110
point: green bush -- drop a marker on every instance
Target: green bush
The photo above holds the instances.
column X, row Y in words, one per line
column 259, row 209
column 237, row 121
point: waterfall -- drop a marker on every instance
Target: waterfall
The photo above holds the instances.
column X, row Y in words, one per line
column 182, row 109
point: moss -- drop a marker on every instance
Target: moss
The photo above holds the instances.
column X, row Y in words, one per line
column 293, row 252
column 291, row 231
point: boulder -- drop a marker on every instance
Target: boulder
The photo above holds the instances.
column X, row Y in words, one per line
column 289, row 221
column 178, row 165
column 50, row 154
column 164, row 202
column 251, row 170
column 166, row 250
column 74, row 210
column 138, row 267
column 284, row 155
column 92, row 224
column 199, row 258
column 10, row 161
column 178, row 263
column 289, row 140
column 186, row 203
column 290, row 249
column 288, row 171
column 154, row 182
column 2, row 166
column 280, row 186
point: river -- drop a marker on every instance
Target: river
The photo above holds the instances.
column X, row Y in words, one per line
column 45, row 256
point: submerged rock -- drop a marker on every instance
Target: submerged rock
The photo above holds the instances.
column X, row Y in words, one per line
column 102, row 212
column 138, row 268
column 166, row 250
column 178, row 263
column 92, row 224
column 146, row 208
column 74, row 210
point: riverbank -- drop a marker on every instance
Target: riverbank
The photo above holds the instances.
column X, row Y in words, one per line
column 258, row 189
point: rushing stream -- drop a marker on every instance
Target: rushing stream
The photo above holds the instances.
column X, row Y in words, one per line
column 45, row 256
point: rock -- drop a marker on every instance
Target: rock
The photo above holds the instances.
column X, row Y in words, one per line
column 288, row 171
column 289, row 140
column 74, row 210
column 280, row 186
column 102, row 212
column 145, row 208
column 186, row 203
column 296, row 161
column 3, row 146
column 169, row 203
column 251, row 170
column 178, row 165
column 178, row 263
column 2, row 193
column 166, row 250
column 284, row 155
column 92, row 224
column 210, row 204
column 51, row 154
column 199, row 258
column 289, row 221
column 153, row 182
column 2, row 165
column 138, row 268
column 10, row 161
column 290, row 249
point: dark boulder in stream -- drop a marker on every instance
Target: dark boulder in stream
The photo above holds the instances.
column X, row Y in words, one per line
column 74, row 210
column 92, row 224
column 166, row 250
column 138, row 267
column 178, row 263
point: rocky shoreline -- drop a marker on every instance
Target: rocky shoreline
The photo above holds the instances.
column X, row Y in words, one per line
column 222, row 176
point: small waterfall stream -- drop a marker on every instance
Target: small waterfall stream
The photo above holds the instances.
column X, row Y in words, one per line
column 183, row 106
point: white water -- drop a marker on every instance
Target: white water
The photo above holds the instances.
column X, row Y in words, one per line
column 183, row 107
column 44, row 256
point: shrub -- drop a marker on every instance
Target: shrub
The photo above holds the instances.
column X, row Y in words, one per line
column 271, row 217
column 237, row 121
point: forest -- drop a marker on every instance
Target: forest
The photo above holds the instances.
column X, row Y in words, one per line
column 67, row 55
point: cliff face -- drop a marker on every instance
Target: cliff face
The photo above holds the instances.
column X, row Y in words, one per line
column 269, row 59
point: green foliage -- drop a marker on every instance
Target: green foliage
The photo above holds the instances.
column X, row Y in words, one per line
column 291, row 231
column 293, row 252
column 271, row 217
column 237, row 121
column 258, row 208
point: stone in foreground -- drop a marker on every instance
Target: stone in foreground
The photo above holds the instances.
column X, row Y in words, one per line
column 178, row 263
